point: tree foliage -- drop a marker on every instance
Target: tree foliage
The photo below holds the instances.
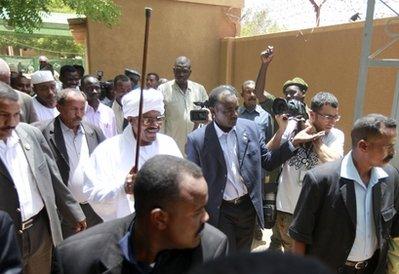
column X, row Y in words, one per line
column 257, row 22
column 59, row 46
column 24, row 15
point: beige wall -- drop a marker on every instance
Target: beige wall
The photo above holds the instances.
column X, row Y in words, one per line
column 327, row 58
column 177, row 28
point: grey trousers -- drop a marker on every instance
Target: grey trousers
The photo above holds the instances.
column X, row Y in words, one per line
column 237, row 221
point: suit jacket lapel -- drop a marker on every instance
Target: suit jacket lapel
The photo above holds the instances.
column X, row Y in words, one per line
column 4, row 171
column 348, row 195
column 242, row 143
column 90, row 137
column 212, row 145
column 57, row 137
column 378, row 193
column 26, row 144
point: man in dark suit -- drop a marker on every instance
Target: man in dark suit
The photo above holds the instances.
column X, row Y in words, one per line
column 347, row 210
column 231, row 155
column 10, row 257
column 166, row 234
column 31, row 189
column 71, row 140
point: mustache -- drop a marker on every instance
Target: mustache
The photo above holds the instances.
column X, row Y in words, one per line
column 6, row 128
column 201, row 229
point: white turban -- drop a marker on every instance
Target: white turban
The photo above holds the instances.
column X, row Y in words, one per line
column 152, row 100
column 42, row 76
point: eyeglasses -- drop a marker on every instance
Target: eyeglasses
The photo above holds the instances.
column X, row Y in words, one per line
column 334, row 118
column 150, row 120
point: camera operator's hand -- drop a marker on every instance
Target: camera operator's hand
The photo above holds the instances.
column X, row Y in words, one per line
column 306, row 135
column 282, row 121
column 205, row 122
column 267, row 55
column 129, row 182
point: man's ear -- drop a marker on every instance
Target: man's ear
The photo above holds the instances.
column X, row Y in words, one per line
column 362, row 145
column 159, row 218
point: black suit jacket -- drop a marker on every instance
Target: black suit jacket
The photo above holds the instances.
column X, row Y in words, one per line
column 203, row 148
column 52, row 132
column 325, row 216
column 97, row 250
column 10, row 257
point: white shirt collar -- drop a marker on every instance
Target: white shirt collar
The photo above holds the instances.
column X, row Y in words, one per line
column 349, row 171
column 64, row 128
column 11, row 141
column 220, row 132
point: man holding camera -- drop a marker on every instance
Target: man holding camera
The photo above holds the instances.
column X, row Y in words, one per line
column 179, row 97
column 323, row 117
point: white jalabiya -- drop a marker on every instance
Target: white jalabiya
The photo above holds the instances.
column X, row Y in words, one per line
column 43, row 112
column 102, row 181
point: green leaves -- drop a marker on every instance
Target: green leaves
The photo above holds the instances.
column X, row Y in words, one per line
column 24, row 15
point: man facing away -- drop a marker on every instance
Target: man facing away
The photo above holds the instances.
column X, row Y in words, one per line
column 179, row 97
column 166, row 234
column 347, row 210
column 32, row 191
column 104, row 183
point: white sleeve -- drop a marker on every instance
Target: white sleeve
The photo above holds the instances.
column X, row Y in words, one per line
column 337, row 141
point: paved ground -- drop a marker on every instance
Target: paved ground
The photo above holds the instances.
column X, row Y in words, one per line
column 264, row 244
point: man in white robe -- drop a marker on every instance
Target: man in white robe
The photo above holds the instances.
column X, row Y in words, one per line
column 102, row 180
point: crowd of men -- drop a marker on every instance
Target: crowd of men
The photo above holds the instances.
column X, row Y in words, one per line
column 72, row 199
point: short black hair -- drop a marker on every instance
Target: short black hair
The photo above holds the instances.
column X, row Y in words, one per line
column 158, row 182
column 83, row 80
column 323, row 98
column 153, row 73
column 121, row 78
column 262, row 263
column 214, row 96
column 80, row 69
column 370, row 126
column 8, row 93
column 67, row 69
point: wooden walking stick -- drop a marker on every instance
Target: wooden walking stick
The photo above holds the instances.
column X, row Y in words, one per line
column 148, row 12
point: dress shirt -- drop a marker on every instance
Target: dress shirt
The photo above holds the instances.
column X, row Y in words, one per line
column 103, row 118
column 43, row 112
column 262, row 119
column 365, row 242
column 178, row 105
column 235, row 186
column 108, row 102
column 118, row 112
column 76, row 146
column 13, row 157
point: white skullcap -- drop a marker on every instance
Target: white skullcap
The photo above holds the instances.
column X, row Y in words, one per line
column 152, row 100
column 41, row 76
column 4, row 67
column 43, row 58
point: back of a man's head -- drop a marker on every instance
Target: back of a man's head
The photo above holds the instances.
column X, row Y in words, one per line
column 263, row 263
column 158, row 182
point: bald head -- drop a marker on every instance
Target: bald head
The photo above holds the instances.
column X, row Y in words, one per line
column 4, row 72
column 182, row 61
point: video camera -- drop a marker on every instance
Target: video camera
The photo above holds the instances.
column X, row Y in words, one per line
column 199, row 115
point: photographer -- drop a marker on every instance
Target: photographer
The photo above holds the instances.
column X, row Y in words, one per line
column 323, row 117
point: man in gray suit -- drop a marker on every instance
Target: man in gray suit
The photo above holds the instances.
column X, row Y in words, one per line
column 31, row 189
column 167, row 233
column 71, row 140
column 28, row 113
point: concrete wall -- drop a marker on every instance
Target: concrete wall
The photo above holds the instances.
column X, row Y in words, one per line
column 191, row 28
column 327, row 58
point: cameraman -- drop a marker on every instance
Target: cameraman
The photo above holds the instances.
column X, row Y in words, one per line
column 323, row 117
